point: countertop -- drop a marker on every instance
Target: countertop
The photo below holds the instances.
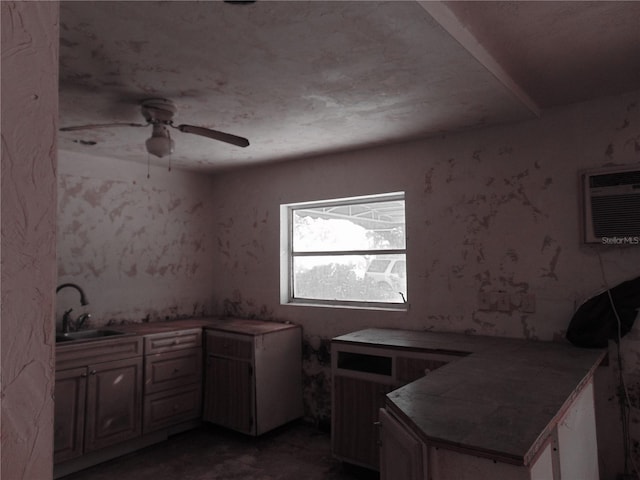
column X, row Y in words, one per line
column 501, row 400
column 230, row 325
column 234, row 325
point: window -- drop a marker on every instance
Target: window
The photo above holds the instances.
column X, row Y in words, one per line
column 349, row 251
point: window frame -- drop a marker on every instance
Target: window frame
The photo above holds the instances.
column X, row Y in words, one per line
column 287, row 255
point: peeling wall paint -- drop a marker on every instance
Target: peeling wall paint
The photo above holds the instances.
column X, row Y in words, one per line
column 488, row 210
column 140, row 247
column 29, row 124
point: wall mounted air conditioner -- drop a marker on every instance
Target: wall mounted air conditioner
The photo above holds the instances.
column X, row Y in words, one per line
column 611, row 205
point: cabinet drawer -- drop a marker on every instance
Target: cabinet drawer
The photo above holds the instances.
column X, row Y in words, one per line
column 172, row 341
column 164, row 371
column 226, row 346
column 81, row 354
column 164, row 409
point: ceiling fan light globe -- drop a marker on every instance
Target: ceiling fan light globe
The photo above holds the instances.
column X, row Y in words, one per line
column 159, row 146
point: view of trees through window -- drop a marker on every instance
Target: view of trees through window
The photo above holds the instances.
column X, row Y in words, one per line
column 350, row 253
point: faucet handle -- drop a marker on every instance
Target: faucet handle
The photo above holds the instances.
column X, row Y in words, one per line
column 81, row 319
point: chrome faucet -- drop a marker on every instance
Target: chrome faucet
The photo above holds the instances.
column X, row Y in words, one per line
column 67, row 322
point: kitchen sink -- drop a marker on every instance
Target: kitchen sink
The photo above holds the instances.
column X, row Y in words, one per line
column 87, row 335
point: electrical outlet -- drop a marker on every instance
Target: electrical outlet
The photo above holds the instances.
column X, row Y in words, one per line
column 528, row 304
column 504, row 304
column 484, row 301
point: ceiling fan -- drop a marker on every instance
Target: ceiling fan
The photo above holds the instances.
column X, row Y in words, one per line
column 159, row 112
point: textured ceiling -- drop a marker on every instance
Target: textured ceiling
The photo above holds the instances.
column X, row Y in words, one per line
column 300, row 78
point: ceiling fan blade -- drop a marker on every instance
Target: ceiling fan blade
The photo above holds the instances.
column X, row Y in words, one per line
column 102, row 125
column 216, row 135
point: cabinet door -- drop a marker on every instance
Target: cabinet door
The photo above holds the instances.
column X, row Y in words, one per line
column 229, row 394
column 114, row 403
column 400, row 451
column 69, row 411
column 356, row 406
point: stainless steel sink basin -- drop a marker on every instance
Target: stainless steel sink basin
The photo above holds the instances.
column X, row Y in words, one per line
column 87, row 335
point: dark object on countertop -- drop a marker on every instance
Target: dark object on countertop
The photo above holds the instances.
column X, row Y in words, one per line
column 595, row 322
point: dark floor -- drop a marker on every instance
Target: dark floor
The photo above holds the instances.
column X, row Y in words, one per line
column 297, row 451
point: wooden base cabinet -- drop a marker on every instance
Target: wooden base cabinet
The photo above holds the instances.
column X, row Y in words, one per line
column 122, row 393
column 253, row 375
column 362, row 375
column 98, row 403
column 173, row 379
column 569, row 452
column 404, row 455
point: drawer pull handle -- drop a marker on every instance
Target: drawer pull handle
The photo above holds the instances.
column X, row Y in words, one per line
column 92, row 372
column 83, row 374
column 176, row 370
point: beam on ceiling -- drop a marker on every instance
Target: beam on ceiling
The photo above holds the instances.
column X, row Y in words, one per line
column 448, row 20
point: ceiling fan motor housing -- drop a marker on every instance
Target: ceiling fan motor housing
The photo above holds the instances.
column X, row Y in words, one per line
column 158, row 110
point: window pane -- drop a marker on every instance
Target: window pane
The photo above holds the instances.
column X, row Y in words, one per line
column 363, row 226
column 378, row 266
column 346, row 250
column 360, row 278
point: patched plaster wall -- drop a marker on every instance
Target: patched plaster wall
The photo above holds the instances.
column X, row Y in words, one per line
column 139, row 247
column 488, row 210
column 29, row 124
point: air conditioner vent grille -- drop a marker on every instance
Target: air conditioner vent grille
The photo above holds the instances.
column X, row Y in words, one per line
column 616, row 215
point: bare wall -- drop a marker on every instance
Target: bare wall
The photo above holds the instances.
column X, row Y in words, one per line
column 139, row 247
column 491, row 209
column 29, row 123
column 488, row 210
